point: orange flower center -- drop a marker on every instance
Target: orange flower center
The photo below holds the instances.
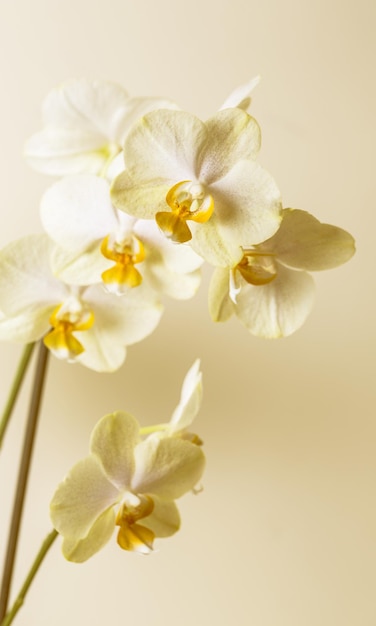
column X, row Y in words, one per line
column 125, row 254
column 66, row 319
column 187, row 201
column 132, row 535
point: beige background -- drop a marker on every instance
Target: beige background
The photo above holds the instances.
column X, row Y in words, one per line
column 284, row 532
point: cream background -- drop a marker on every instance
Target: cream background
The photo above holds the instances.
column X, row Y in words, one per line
column 284, row 531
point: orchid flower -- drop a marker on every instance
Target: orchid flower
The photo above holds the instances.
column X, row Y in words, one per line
column 85, row 124
column 126, row 481
column 270, row 289
column 96, row 242
column 180, row 169
column 80, row 323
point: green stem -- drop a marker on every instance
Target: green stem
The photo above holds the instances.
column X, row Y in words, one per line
column 147, row 430
column 23, row 475
column 47, row 543
column 16, row 386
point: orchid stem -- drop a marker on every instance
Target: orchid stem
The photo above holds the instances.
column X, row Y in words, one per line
column 148, row 430
column 23, row 475
column 47, row 543
column 16, row 386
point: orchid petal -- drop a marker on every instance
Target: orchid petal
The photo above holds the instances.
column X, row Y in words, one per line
column 221, row 307
column 138, row 108
column 177, row 258
column 164, row 521
column 165, row 145
column 26, row 327
column 241, row 96
column 232, row 135
column 79, row 550
column 140, row 200
column 305, row 243
column 247, row 203
column 167, row 467
column 279, row 308
column 77, row 210
column 112, row 442
column 79, row 268
column 119, row 321
column 190, row 399
column 63, row 153
column 26, row 280
column 81, row 499
column 85, row 125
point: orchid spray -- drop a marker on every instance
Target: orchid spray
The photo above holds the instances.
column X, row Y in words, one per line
column 146, row 194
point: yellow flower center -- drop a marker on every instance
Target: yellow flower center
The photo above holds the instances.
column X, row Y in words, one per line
column 133, row 536
column 125, row 254
column 187, row 201
column 66, row 319
column 257, row 268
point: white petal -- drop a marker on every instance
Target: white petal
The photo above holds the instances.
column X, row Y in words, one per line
column 178, row 258
column 167, row 467
column 305, row 243
column 190, row 399
column 168, row 268
column 85, row 126
column 137, row 108
column 221, row 306
column 88, row 105
column 80, row 268
column 215, row 244
column 141, row 200
column 164, row 145
column 241, row 96
column 100, row 533
column 26, row 327
column 232, row 135
column 77, row 211
column 119, row 321
column 64, row 152
column 81, row 120
column 81, row 499
column 247, row 203
column 164, row 521
column 171, row 284
column 113, row 441
column 26, row 279
column 278, row 308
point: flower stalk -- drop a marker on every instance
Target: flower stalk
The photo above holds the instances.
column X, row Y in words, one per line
column 16, row 386
column 23, row 475
column 47, row 543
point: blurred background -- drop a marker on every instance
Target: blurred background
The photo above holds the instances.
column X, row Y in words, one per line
column 283, row 533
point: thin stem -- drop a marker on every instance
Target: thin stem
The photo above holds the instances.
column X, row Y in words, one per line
column 16, row 386
column 147, row 430
column 47, row 543
column 23, row 477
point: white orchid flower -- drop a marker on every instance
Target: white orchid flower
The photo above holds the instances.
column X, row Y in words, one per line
column 85, row 125
column 96, row 242
column 180, row 169
column 270, row 289
column 84, row 324
column 125, row 481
